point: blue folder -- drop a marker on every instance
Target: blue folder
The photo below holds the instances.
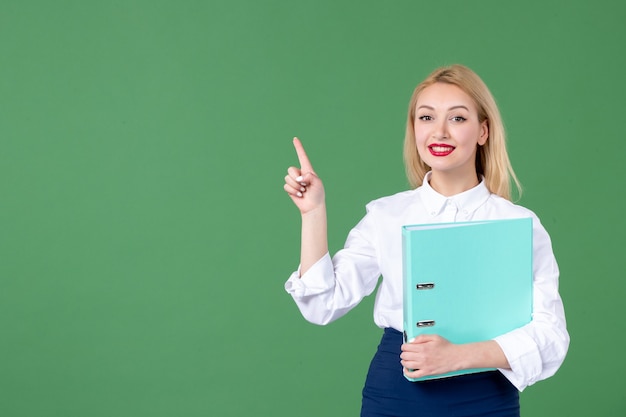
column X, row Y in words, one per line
column 467, row 281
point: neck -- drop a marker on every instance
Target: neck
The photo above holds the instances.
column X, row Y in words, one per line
column 449, row 184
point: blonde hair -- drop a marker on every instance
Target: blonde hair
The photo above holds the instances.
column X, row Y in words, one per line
column 492, row 160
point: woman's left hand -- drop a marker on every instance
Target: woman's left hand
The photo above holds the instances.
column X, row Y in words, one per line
column 430, row 355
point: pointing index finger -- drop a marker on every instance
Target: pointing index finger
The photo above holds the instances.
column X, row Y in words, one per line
column 305, row 164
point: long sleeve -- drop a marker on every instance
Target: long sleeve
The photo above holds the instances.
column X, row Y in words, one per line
column 332, row 287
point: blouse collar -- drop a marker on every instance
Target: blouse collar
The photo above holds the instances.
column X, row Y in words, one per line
column 467, row 201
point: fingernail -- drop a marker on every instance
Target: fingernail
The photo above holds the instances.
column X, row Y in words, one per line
column 299, row 194
column 300, row 178
column 302, row 189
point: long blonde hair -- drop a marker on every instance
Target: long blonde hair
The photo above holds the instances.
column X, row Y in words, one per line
column 492, row 159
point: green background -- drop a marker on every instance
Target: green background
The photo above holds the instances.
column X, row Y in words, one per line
column 144, row 234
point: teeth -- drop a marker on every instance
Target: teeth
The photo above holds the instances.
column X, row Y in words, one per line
column 442, row 148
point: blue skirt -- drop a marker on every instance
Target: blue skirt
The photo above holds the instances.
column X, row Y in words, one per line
column 388, row 393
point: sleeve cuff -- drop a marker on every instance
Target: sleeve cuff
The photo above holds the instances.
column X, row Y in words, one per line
column 523, row 356
column 318, row 279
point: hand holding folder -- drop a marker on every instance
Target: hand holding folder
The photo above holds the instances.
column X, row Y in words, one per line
column 467, row 282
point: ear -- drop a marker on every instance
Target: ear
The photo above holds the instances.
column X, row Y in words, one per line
column 484, row 132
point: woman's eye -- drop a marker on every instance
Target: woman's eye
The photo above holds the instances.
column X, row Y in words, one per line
column 459, row 119
column 425, row 118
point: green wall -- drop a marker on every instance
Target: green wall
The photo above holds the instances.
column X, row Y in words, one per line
column 144, row 234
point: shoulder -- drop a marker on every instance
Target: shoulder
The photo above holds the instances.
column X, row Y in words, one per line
column 509, row 206
column 508, row 209
column 392, row 202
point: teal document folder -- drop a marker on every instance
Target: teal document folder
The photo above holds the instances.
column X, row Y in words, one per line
column 467, row 281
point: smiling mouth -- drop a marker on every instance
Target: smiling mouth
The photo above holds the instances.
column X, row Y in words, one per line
column 440, row 150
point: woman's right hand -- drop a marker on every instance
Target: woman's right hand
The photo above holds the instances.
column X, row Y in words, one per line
column 303, row 185
column 307, row 192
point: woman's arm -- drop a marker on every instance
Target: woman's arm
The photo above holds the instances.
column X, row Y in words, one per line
column 307, row 192
column 433, row 355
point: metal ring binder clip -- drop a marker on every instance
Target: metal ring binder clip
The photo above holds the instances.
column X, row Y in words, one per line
column 425, row 286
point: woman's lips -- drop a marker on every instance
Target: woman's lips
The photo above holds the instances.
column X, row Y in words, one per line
column 440, row 150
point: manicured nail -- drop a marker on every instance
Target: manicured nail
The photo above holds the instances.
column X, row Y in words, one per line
column 299, row 194
column 302, row 189
column 299, row 179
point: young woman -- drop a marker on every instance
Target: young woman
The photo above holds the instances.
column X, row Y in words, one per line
column 456, row 158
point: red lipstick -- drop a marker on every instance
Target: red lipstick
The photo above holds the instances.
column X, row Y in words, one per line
column 439, row 149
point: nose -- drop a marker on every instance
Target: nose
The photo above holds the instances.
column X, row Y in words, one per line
column 440, row 129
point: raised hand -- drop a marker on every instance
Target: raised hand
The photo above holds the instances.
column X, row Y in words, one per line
column 303, row 185
column 307, row 192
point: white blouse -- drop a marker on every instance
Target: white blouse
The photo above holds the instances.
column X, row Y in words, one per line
column 332, row 287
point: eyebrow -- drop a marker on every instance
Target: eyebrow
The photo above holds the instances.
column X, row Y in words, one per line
column 460, row 106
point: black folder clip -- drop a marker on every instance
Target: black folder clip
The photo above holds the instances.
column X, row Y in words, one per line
column 425, row 286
